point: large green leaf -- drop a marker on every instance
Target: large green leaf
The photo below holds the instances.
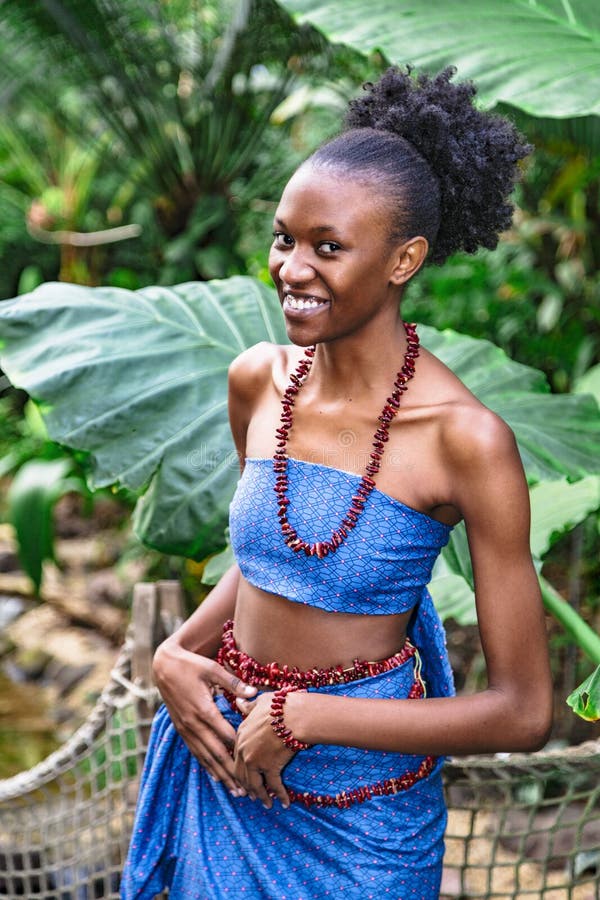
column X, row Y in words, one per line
column 556, row 507
column 590, row 382
column 557, row 434
column 541, row 56
column 585, row 700
column 33, row 492
column 138, row 379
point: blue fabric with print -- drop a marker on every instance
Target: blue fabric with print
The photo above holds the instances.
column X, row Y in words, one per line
column 383, row 566
column 192, row 837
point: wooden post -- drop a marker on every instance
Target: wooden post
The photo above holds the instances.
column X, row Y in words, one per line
column 170, row 608
column 143, row 621
column 143, row 624
column 157, row 611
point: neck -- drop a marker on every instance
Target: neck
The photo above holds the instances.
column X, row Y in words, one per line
column 357, row 366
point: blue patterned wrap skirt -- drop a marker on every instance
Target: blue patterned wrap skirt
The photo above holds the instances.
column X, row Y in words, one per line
column 362, row 823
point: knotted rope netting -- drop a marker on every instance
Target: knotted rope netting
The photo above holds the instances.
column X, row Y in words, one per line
column 522, row 825
column 64, row 824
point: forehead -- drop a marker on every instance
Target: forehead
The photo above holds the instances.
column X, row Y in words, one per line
column 316, row 197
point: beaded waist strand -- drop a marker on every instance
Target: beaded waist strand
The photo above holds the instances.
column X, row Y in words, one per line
column 274, row 676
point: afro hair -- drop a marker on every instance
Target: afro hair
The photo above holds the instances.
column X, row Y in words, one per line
column 473, row 156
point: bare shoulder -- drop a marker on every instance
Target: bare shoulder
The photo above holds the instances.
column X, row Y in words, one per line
column 479, row 466
column 474, row 437
column 469, row 430
column 254, row 369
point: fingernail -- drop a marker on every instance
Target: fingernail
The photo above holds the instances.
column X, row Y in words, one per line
column 266, row 806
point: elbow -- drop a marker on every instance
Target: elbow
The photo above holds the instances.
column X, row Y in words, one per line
column 532, row 728
column 524, row 719
column 536, row 735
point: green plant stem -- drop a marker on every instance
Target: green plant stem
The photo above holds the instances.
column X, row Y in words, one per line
column 585, row 637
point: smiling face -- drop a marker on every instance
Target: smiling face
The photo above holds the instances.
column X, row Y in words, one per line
column 331, row 259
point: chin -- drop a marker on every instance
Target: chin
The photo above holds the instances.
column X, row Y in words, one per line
column 299, row 339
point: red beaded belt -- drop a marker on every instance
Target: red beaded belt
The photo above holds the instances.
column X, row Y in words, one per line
column 274, row 675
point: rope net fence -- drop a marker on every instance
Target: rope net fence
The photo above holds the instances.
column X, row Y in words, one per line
column 64, row 824
column 524, row 826
column 521, row 825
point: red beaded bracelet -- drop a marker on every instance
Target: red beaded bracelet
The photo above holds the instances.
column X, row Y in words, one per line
column 277, row 723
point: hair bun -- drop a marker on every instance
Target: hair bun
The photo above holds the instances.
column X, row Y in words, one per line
column 474, row 154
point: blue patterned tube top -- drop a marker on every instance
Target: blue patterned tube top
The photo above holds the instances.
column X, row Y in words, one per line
column 382, row 568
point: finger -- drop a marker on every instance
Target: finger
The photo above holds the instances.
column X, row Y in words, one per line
column 231, row 682
column 256, row 786
column 214, row 720
column 275, row 785
column 245, row 706
column 252, row 782
column 240, row 688
column 215, row 759
column 207, row 725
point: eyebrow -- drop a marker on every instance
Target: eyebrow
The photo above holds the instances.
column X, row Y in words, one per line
column 318, row 229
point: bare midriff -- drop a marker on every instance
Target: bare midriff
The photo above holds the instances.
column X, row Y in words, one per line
column 274, row 629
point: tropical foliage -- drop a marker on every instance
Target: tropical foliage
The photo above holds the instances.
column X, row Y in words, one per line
column 518, row 67
column 171, row 105
column 138, row 381
column 145, row 143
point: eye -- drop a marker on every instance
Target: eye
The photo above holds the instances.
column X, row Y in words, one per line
column 282, row 240
column 328, row 247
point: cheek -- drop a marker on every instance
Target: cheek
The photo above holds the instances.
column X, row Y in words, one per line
column 274, row 263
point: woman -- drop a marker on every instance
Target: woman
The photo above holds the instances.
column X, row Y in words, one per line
column 359, row 453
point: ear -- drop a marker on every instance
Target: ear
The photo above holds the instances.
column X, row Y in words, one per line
column 408, row 259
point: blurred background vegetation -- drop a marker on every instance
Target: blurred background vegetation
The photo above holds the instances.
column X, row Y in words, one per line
column 146, row 142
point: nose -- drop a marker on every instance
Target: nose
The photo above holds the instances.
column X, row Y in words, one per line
column 295, row 268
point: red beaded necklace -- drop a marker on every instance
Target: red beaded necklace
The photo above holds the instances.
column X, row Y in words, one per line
column 381, row 436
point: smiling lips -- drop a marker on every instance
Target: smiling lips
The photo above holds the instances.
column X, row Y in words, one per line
column 302, row 304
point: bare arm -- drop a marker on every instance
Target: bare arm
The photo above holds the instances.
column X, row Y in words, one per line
column 187, row 676
column 184, row 668
column 201, row 633
column 514, row 711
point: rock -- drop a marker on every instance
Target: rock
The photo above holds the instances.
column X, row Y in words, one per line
column 551, row 834
column 105, row 586
column 451, row 886
column 65, row 677
column 68, row 594
column 30, row 662
column 85, row 554
column 6, row 645
column 9, row 561
column 10, row 609
column 15, row 583
column 71, row 519
column 73, row 649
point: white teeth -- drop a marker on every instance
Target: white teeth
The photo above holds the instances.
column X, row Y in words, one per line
column 301, row 303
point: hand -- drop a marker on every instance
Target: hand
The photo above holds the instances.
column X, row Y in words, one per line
column 259, row 755
column 187, row 683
